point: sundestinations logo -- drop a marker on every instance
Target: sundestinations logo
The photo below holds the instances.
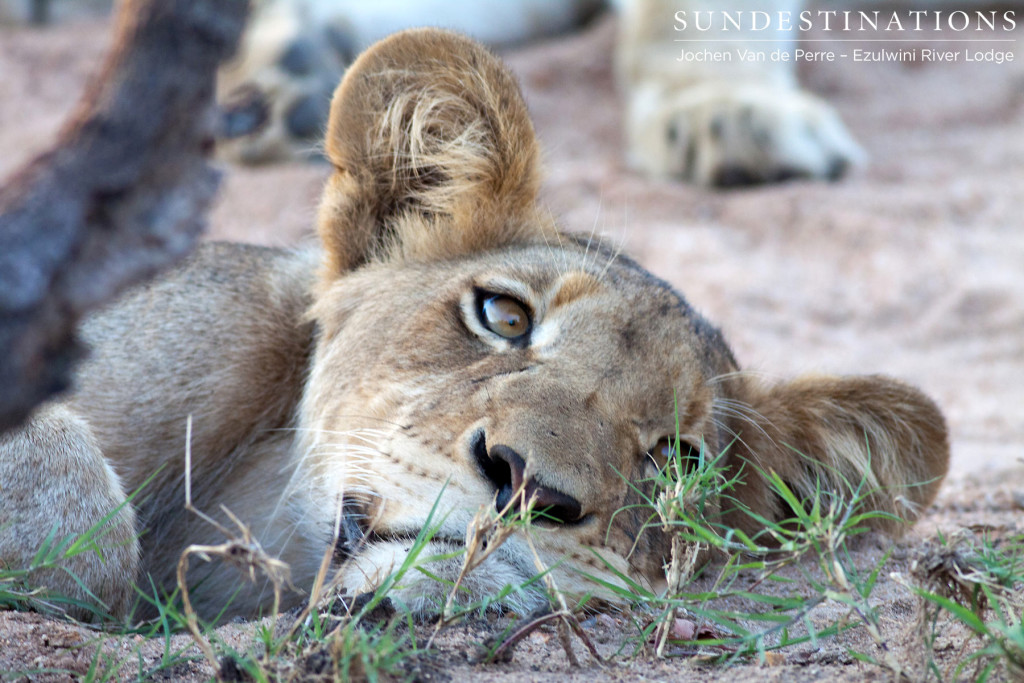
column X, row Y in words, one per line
column 937, row 35
column 845, row 20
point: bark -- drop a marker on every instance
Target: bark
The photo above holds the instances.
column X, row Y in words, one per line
column 122, row 194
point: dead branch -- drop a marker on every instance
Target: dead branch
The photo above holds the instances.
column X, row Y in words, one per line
column 122, row 194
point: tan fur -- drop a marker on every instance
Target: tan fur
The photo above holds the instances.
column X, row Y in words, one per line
column 36, row 461
column 435, row 154
column 362, row 384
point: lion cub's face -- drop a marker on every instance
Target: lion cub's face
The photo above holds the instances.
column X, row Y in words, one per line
column 467, row 349
column 554, row 368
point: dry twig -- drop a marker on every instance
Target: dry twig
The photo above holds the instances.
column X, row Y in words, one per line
column 241, row 550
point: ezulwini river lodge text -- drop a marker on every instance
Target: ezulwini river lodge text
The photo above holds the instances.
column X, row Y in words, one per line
column 923, row 54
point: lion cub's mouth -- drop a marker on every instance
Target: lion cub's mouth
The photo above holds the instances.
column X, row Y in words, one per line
column 356, row 534
column 353, row 533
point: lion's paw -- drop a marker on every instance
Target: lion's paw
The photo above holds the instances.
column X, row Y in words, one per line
column 275, row 99
column 728, row 136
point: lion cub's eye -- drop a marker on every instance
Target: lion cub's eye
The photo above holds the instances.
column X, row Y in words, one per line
column 665, row 450
column 504, row 316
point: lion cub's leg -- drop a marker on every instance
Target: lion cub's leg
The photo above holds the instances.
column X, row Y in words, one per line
column 703, row 106
column 55, row 480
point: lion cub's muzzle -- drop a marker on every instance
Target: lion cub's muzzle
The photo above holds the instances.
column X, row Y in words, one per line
column 506, row 470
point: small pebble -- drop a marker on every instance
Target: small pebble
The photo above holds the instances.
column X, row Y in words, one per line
column 683, row 629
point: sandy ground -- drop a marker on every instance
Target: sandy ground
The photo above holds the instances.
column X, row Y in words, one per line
column 913, row 267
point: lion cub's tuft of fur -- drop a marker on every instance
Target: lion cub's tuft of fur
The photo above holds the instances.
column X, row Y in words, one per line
column 446, row 346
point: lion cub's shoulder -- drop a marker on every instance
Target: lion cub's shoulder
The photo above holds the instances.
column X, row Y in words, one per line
column 223, row 338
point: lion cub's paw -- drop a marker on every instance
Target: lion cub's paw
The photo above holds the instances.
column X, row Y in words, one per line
column 730, row 136
column 276, row 95
column 56, row 486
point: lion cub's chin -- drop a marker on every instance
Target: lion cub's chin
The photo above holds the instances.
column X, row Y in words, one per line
column 427, row 594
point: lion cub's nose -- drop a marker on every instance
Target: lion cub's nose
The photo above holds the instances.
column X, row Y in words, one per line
column 507, row 477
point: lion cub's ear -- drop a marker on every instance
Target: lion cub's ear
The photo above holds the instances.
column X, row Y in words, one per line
column 833, row 437
column 434, row 154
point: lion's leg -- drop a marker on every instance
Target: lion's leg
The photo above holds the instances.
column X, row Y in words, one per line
column 707, row 103
column 54, row 483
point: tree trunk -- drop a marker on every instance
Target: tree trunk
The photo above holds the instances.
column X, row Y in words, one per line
column 122, row 194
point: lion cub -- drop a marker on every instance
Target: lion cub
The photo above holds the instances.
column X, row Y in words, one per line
column 449, row 345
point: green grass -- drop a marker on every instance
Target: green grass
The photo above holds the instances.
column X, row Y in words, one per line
column 974, row 587
column 971, row 590
column 686, row 502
